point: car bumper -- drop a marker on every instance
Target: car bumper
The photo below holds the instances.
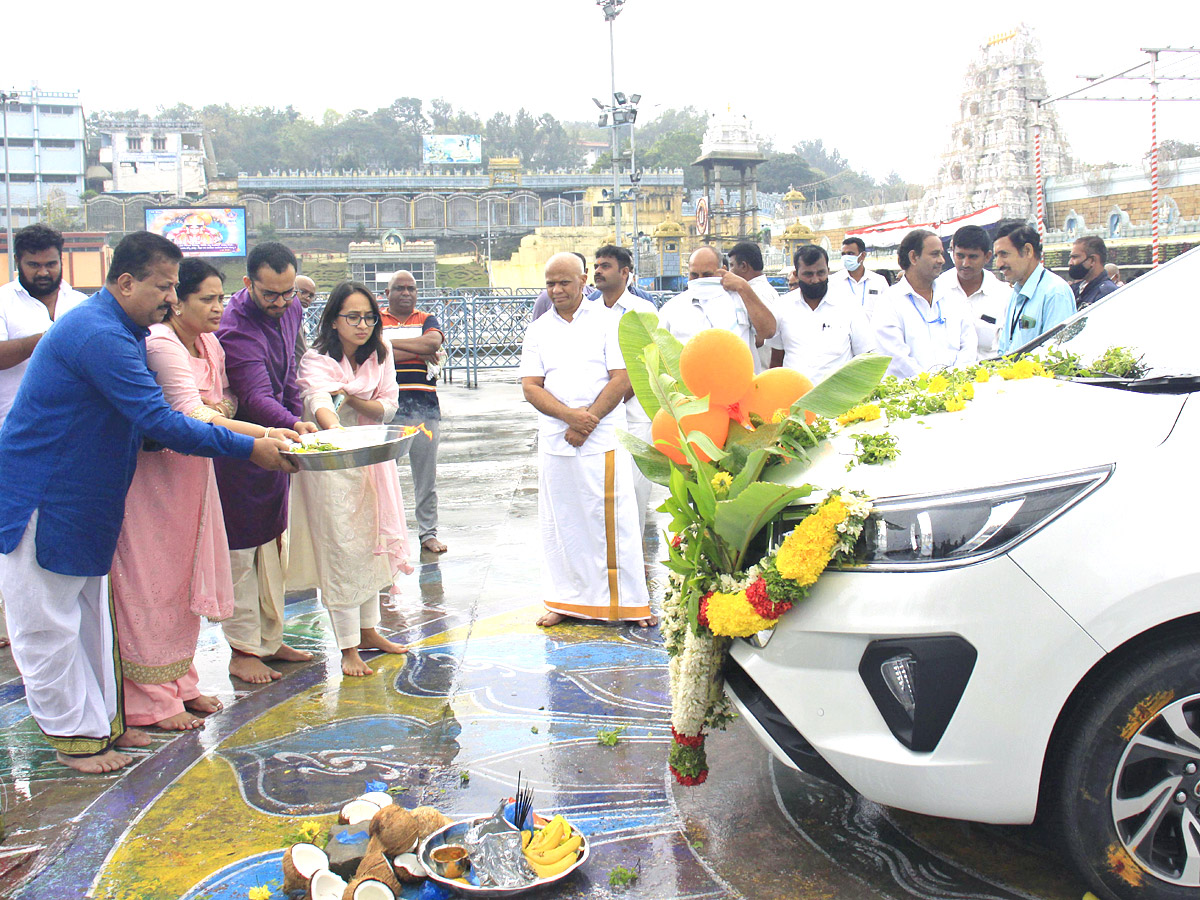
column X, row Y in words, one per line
column 987, row 764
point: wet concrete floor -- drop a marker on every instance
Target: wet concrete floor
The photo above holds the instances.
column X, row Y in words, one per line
column 482, row 696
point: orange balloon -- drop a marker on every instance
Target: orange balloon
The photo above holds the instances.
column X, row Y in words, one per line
column 713, row 422
column 716, row 363
column 773, row 390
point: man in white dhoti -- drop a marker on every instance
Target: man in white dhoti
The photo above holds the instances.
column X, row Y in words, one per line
column 573, row 373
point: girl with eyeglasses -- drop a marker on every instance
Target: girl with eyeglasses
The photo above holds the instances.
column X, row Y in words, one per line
column 348, row 535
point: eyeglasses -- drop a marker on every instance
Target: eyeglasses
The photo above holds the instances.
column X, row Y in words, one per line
column 274, row 296
column 357, row 318
column 309, row 294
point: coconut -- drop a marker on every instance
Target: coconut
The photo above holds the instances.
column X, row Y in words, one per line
column 409, row 869
column 299, row 863
column 356, row 811
column 368, row 889
column 429, row 820
column 396, row 829
column 375, row 865
column 379, row 798
column 324, row 885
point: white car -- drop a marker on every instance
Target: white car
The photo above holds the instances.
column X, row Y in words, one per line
column 1022, row 639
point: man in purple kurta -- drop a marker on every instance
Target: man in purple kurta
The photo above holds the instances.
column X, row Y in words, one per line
column 258, row 333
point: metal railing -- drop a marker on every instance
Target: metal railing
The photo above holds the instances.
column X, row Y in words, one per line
column 483, row 331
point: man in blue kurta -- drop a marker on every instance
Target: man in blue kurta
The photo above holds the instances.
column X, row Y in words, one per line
column 258, row 332
column 67, row 455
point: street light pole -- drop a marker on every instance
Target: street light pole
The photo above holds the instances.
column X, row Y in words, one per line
column 8, row 230
column 612, row 9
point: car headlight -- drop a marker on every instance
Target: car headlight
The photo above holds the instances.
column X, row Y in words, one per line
column 946, row 530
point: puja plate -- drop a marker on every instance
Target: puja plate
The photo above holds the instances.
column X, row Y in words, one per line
column 453, row 834
column 358, row 445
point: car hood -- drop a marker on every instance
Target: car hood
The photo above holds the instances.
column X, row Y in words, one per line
column 1010, row 431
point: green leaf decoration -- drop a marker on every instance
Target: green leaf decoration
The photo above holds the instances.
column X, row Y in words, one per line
column 636, row 333
column 737, row 521
column 751, row 469
column 845, row 388
column 650, row 462
column 702, row 441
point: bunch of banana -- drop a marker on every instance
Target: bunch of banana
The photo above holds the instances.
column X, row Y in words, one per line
column 553, row 849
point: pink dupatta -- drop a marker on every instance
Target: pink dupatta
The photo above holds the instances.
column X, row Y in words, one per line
column 373, row 380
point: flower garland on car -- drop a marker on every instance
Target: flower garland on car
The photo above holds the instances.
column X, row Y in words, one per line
column 721, row 434
column 742, row 605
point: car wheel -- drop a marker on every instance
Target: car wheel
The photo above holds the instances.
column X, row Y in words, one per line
column 1126, row 800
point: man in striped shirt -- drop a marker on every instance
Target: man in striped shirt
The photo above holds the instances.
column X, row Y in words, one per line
column 416, row 337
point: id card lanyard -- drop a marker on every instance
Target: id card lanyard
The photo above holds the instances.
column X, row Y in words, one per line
column 1016, row 320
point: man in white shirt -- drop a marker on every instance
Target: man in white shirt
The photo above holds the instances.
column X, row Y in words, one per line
column 818, row 333
column 611, row 275
column 970, row 281
column 919, row 330
column 746, row 261
column 716, row 298
column 31, row 304
column 855, row 280
column 573, row 373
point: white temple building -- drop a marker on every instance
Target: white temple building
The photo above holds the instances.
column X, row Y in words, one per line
column 990, row 158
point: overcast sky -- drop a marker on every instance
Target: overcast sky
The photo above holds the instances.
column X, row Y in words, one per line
column 878, row 81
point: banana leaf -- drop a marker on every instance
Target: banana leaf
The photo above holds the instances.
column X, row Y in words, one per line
column 636, row 332
column 845, row 388
column 737, row 521
column 650, row 462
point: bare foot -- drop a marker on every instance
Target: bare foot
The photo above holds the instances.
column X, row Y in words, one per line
column 133, row 737
column 204, row 704
column 291, row 654
column 352, row 663
column 183, row 721
column 370, row 639
column 433, row 545
column 549, row 619
column 648, row 623
column 108, row 761
column 251, row 669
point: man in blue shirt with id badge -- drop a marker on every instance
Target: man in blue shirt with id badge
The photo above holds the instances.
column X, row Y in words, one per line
column 1040, row 299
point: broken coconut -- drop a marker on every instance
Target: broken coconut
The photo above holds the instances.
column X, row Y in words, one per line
column 409, row 869
column 395, row 828
column 324, row 885
column 379, row 798
column 368, row 889
column 429, row 820
column 358, row 810
column 300, row 861
column 376, row 866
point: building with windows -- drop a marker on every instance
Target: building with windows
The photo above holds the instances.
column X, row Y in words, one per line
column 46, row 152
column 154, row 157
column 374, row 263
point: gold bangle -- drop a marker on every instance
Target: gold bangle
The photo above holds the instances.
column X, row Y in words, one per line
column 267, row 433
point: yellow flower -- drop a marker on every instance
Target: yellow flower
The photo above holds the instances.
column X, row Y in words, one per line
column 262, row 892
column 867, row 412
column 938, row 384
column 721, row 483
column 983, row 376
column 310, row 829
column 779, row 415
column 1024, row 368
column 954, row 404
column 806, row 551
column 733, row 616
column 967, row 391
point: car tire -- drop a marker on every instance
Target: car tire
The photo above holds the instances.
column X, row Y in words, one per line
column 1137, row 727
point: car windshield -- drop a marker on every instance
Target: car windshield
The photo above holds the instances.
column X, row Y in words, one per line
column 1155, row 317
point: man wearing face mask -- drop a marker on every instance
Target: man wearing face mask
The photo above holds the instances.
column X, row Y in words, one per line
column 920, row 329
column 855, row 280
column 1087, row 267
column 716, row 298
column 817, row 332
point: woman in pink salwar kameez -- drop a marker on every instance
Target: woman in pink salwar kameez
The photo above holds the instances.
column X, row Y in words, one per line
column 172, row 561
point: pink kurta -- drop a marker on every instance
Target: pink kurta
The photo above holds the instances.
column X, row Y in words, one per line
column 172, row 561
